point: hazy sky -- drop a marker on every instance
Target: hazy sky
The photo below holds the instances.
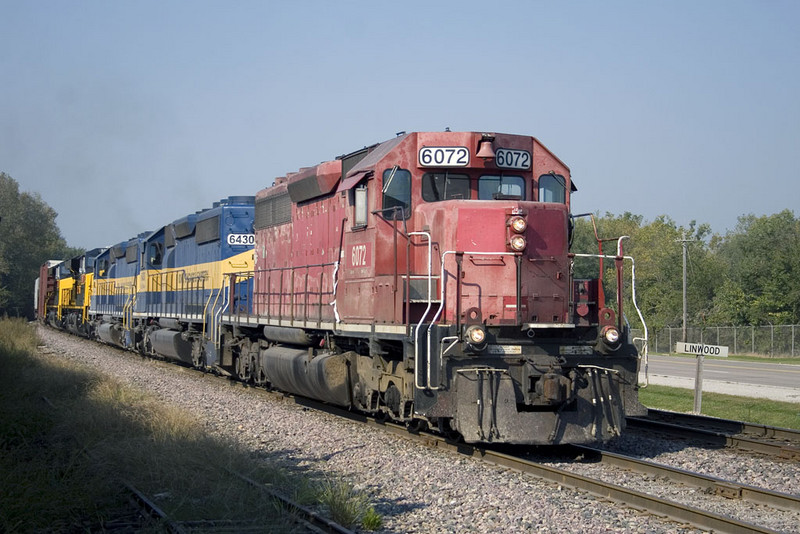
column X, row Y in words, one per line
column 126, row 115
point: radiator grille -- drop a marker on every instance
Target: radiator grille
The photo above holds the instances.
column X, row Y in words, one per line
column 272, row 211
column 207, row 230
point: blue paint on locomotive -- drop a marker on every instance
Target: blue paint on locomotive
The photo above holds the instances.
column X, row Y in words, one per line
column 115, row 272
column 186, row 261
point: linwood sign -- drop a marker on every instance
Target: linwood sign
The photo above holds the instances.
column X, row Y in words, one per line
column 701, row 350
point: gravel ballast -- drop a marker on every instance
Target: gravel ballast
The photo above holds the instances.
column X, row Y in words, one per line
column 414, row 488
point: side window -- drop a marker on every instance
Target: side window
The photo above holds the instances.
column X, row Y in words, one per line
column 361, row 206
column 102, row 268
column 396, row 193
column 438, row 186
column 493, row 187
column 552, row 188
column 155, row 254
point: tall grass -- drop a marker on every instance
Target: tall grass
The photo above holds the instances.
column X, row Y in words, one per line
column 348, row 506
column 69, row 436
column 45, row 481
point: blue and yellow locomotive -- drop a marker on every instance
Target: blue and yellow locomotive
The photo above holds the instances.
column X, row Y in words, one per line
column 161, row 293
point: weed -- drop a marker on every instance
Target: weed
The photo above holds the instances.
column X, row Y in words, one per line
column 372, row 520
column 347, row 506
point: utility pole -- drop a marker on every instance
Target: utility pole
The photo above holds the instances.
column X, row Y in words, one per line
column 698, row 377
column 685, row 242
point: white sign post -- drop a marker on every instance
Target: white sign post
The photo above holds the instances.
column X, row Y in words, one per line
column 701, row 351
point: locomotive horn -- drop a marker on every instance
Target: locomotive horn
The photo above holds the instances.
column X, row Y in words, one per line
column 485, row 147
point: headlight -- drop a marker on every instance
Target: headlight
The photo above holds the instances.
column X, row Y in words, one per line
column 476, row 335
column 611, row 335
column 518, row 224
column 517, row 243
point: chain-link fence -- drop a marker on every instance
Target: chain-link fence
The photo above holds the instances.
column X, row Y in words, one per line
column 770, row 340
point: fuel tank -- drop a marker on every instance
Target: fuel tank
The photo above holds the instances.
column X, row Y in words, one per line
column 171, row 344
column 111, row 333
column 323, row 377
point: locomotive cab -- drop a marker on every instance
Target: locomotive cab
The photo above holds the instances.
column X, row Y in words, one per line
column 471, row 251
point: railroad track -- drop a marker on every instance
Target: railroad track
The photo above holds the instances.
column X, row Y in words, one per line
column 771, row 441
column 305, row 519
column 653, row 504
column 514, row 458
column 144, row 513
column 656, row 505
column 710, row 484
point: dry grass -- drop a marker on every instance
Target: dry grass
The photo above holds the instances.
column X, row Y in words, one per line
column 68, row 436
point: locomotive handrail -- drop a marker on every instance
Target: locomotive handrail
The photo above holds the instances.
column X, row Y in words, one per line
column 442, row 291
column 429, row 275
column 427, row 310
column 235, row 278
column 205, row 310
column 266, row 304
column 645, row 345
column 127, row 308
column 216, row 326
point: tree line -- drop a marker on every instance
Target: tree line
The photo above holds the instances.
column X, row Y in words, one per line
column 29, row 236
column 749, row 276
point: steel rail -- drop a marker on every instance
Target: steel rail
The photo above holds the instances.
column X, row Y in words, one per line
column 152, row 510
column 652, row 504
column 721, row 487
column 307, row 517
column 722, row 439
column 655, row 505
column 726, row 425
column 140, row 500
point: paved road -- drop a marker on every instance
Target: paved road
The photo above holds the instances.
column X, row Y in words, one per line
column 750, row 379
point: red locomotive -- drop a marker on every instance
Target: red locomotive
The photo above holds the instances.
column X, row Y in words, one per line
column 428, row 279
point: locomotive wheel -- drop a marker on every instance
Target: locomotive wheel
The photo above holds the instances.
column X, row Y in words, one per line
column 450, row 434
column 242, row 370
column 259, row 377
column 392, row 399
column 199, row 359
column 415, row 426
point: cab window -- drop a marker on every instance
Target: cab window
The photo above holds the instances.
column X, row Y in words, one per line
column 102, row 267
column 360, row 194
column 438, row 186
column 396, row 194
column 155, row 255
column 552, row 188
column 494, row 187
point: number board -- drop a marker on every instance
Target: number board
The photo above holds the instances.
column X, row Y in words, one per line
column 510, row 158
column 443, row 156
column 361, row 255
column 242, row 239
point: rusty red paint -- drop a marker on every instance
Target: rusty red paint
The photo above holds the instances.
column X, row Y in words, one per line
column 373, row 261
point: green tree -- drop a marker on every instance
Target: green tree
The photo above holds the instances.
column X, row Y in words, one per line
column 762, row 258
column 656, row 249
column 28, row 237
